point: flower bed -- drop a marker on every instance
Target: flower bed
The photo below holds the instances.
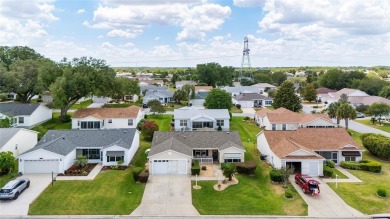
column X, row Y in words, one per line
column 76, row 171
column 110, row 168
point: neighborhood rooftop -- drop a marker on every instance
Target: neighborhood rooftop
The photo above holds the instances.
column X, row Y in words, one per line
column 282, row 115
column 15, row 109
column 251, row 96
column 101, row 113
column 6, row 134
column 190, row 113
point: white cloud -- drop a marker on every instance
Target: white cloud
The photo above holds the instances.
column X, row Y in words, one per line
column 248, row 3
column 81, row 11
column 157, row 38
column 124, row 33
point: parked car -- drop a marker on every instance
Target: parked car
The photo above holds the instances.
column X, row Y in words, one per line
column 307, row 183
column 359, row 115
column 13, row 188
column 144, row 105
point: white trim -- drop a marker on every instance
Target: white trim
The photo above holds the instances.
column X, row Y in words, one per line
column 149, row 157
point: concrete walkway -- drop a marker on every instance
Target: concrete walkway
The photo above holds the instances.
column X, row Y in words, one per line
column 218, row 176
column 91, row 175
column 351, row 178
column 167, row 196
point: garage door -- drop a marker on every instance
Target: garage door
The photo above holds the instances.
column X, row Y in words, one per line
column 310, row 168
column 41, row 166
column 169, row 167
column 246, row 104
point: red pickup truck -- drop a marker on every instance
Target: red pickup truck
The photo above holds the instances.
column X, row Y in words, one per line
column 308, row 184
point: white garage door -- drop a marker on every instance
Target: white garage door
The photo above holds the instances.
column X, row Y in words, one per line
column 310, row 168
column 173, row 167
column 41, row 166
column 246, row 104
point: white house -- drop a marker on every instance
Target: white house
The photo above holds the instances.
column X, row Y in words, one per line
column 180, row 84
column 25, row 114
column 201, row 119
column 234, row 91
column 151, row 82
column 107, row 118
column 174, row 152
column 162, row 96
column 17, row 140
column 284, row 119
column 307, row 149
column 249, row 100
column 57, row 150
column 147, row 88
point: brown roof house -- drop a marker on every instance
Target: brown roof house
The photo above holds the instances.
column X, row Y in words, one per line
column 107, row 118
column 284, row 119
column 306, row 148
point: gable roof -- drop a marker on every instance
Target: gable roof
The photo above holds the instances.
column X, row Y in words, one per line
column 185, row 82
column 264, row 85
column 102, row 113
column 324, row 90
column 6, row 134
column 368, row 100
column 64, row 141
column 15, row 109
column 153, row 87
column 185, row 142
column 283, row 143
column 242, row 89
column 203, row 88
column 190, row 113
column 283, row 115
column 349, row 92
column 251, row 96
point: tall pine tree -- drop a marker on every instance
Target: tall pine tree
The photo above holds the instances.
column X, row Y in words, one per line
column 286, row 97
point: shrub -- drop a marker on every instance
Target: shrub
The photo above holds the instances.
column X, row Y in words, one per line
column 219, row 128
column 7, row 162
column 143, row 177
column 371, row 166
column 228, row 169
column 67, row 118
column 328, row 171
column 247, row 168
column 247, row 118
column 136, row 171
column 81, row 161
column 349, row 132
column 350, row 165
column 362, row 108
column 140, row 123
column 288, row 193
column 378, row 145
column 330, row 163
column 276, row 175
column 315, row 107
column 195, row 169
column 204, row 168
column 238, row 106
column 148, row 128
column 381, row 192
column 230, row 115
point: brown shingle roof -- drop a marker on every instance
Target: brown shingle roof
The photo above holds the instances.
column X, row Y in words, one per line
column 324, row 90
column 283, row 115
column 101, row 113
column 203, row 88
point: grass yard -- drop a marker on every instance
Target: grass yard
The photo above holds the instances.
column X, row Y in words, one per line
column 83, row 104
column 340, row 175
column 253, row 195
column 173, row 106
column 384, row 127
column 234, row 109
column 163, row 121
column 4, row 179
column 54, row 123
column 112, row 192
column 118, row 105
column 362, row 196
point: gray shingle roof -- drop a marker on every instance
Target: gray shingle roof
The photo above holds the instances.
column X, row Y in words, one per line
column 185, row 142
column 64, row 141
column 160, row 93
column 6, row 134
column 251, row 96
column 153, row 87
column 16, row 109
column 189, row 113
column 242, row 89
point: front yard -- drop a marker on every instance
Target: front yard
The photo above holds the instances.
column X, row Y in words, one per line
column 254, row 195
column 384, row 127
column 54, row 123
column 162, row 120
column 83, row 104
column 4, row 179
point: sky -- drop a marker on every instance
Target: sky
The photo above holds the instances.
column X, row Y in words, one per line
column 184, row 33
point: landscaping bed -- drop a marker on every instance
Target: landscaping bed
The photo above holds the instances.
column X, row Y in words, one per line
column 105, row 168
column 76, row 171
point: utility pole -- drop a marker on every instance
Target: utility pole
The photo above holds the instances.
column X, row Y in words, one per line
column 246, row 69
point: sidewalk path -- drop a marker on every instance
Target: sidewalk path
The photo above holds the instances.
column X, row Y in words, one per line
column 90, row 176
column 362, row 128
column 351, row 178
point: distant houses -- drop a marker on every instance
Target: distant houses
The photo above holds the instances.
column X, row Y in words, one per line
column 201, row 119
column 25, row 115
column 355, row 97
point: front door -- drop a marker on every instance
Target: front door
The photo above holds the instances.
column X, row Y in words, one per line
column 215, row 155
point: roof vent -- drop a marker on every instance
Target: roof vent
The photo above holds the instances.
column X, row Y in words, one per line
column 124, row 131
column 63, row 138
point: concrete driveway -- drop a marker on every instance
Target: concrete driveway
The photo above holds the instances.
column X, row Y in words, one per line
column 167, row 196
column 328, row 204
column 96, row 105
column 38, row 183
column 250, row 111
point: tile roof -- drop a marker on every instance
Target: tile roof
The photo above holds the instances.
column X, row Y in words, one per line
column 102, row 113
column 16, row 109
column 203, row 88
column 283, row 115
column 185, row 142
column 190, row 113
column 251, row 96
column 65, row 141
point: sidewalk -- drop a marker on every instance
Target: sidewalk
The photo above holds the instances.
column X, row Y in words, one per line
column 91, row 175
column 351, row 178
column 218, row 176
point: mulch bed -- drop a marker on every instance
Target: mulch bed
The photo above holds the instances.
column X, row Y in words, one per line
column 105, row 168
column 76, row 171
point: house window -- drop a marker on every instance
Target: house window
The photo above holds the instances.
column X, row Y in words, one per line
column 284, row 127
column 274, row 127
column 21, row 120
column 350, row 158
column 90, row 125
column 197, row 125
column 200, row 153
column 130, row 122
column 109, row 120
column 268, row 102
column 78, row 123
column 114, row 158
column 91, row 153
column 183, row 123
column 232, row 160
column 220, row 122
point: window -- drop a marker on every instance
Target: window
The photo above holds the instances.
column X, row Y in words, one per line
column 183, row 123
column 284, row 127
column 274, row 127
column 350, row 158
column 78, row 123
column 220, row 123
column 109, row 120
column 130, row 122
column 202, row 125
column 21, row 120
column 268, row 102
column 91, row 153
column 232, row 160
column 90, row 125
column 200, row 153
column 114, row 158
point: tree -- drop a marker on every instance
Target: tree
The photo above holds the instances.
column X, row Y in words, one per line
column 286, row 173
column 302, row 87
column 272, row 93
column 213, row 74
column 180, row 95
column 310, row 93
column 343, row 99
column 332, row 109
column 156, row 106
column 278, row 78
column 246, row 82
column 82, row 77
column 286, row 97
column 189, row 90
column 80, row 161
column 124, row 86
column 9, row 55
column 333, row 79
column 7, row 162
column 228, row 170
column 346, row 112
column 5, row 123
column 218, row 99
column 371, row 85
column 148, row 128
column 385, row 92
column 175, row 77
column 379, row 110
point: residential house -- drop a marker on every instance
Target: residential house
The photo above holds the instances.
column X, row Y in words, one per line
column 234, row 91
column 355, row 97
column 201, row 119
column 300, row 74
column 107, row 118
column 146, row 88
column 306, row 149
column 151, row 82
column 264, row 87
column 288, row 74
column 25, row 115
column 58, row 149
column 201, row 93
column 17, row 140
column 97, row 99
column 284, row 119
column 180, row 84
column 131, row 98
column 174, row 152
column 163, row 96
column 12, row 96
column 324, row 90
column 249, row 100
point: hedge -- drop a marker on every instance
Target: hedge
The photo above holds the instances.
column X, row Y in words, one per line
column 195, row 169
column 276, row 175
column 330, row 163
column 247, row 168
column 328, row 171
column 352, row 165
column 143, row 177
column 378, row 145
column 136, row 171
column 366, row 165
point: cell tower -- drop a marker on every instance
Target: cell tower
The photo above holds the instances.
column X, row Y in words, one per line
column 246, row 70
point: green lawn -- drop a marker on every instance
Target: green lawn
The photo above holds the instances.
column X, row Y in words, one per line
column 173, row 106
column 340, row 175
column 4, row 179
column 362, row 196
column 163, row 121
column 119, row 105
column 236, row 110
column 112, row 192
column 54, row 123
column 83, row 104
column 253, row 195
column 384, row 127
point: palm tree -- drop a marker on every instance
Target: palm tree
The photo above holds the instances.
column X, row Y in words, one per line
column 346, row 111
column 332, row 109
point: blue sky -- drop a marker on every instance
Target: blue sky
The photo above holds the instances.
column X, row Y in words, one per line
column 182, row 33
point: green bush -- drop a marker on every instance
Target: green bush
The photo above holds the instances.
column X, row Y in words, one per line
column 195, row 169
column 136, row 171
column 330, row 163
column 350, row 165
column 276, row 175
column 143, row 177
column 328, row 171
column 204, row 168
column 381, row 192
column 247, row 168
column 378, row 145
column 371, row 166
column 288, row 193
column 67, row 118
column 219, row 128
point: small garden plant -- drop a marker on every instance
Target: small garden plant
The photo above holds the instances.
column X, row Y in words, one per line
column 381, row 193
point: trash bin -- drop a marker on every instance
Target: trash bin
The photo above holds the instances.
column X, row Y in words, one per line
column 263, row 156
